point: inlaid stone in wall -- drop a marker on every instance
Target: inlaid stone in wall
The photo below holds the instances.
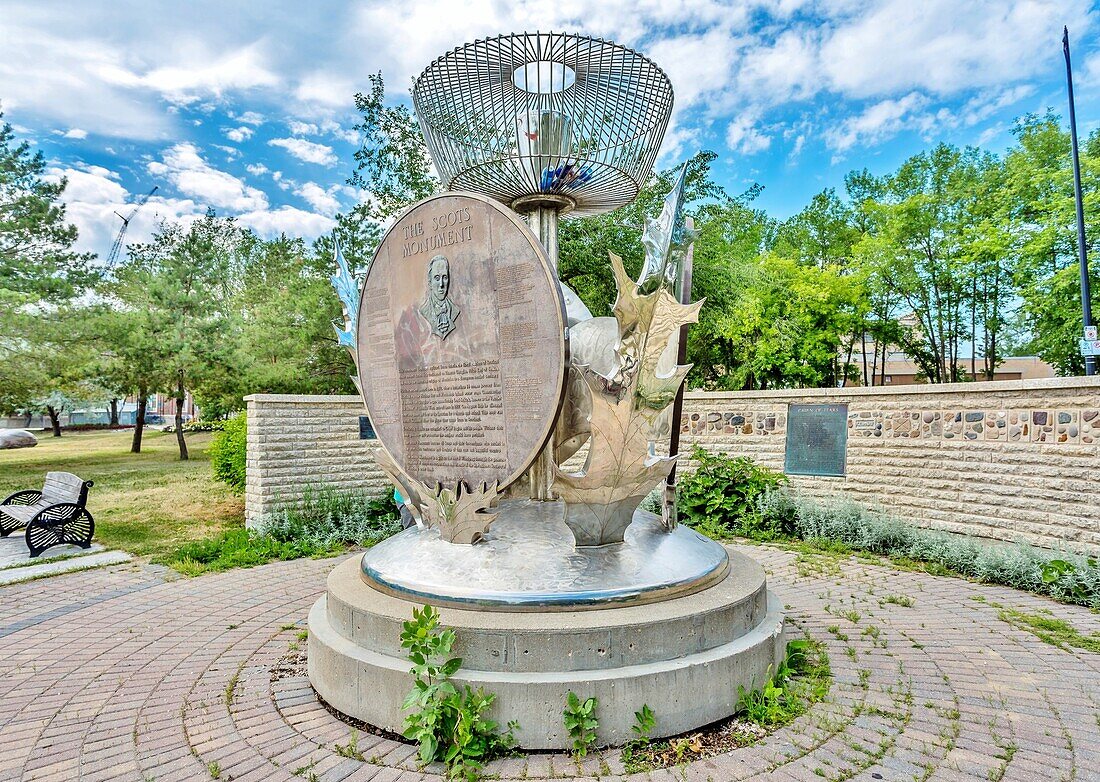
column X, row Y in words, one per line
column 1090, row 426
column 1068, row 429
column 1042, row 426
column 996, row 425
column 953, row 425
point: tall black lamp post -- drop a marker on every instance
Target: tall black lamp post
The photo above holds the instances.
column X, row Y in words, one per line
column 1082, row 257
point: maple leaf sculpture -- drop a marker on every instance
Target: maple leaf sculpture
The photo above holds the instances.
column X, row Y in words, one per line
column 622, row 467
column 461, row 514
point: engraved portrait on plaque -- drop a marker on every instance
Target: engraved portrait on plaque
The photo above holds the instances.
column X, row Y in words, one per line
column 461, row 342
column 438, row 309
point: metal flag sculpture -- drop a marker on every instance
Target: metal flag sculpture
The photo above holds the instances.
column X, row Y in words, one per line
column 347, row 288
column 665, row 240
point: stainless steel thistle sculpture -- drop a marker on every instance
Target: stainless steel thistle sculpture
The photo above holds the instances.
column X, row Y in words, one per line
column 553, row 119
column 475, row 414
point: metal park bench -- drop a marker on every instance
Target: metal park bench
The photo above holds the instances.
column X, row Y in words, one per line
column 53, row 516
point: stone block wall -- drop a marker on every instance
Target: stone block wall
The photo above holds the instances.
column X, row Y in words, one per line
column 1015, row 460
column 295, row 442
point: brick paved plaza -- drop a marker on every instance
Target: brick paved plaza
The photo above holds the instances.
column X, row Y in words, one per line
column 119, row 673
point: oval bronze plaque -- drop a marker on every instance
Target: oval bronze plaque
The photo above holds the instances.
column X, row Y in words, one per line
column 461, row 342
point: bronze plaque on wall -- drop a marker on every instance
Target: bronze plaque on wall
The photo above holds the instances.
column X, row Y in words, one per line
column 461, row 342
column 817, row 440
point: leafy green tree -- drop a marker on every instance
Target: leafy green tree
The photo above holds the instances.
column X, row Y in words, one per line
column 392, row 163
column 822, row 234
column 37, row 260
column 789, row 325
column 184, row 280
column 916, row 249
column 39, row 274
column 1040, row 220
column 286, row 342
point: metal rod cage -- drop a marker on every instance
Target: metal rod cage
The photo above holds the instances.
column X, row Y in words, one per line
column 585, row 122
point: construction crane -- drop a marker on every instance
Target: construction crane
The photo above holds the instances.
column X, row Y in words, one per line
column 117, row 246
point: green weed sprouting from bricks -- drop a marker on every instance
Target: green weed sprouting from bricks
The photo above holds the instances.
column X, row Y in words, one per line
column 448, row 723
column 644, row 723
column 784, row 697
column 581, row 722
column 231, row 687
column 214, row 769
column 351, row 749
column 804, row 678
column 1056, row 632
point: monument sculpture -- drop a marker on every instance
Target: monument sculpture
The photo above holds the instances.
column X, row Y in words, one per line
column 483, row 375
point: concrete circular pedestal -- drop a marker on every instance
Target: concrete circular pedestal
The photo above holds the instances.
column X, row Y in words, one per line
column 684, row 656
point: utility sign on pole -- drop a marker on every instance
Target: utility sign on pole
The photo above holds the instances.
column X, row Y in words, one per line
column 1090, row 345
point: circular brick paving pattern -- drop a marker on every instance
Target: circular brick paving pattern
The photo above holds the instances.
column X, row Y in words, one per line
column 122, row 673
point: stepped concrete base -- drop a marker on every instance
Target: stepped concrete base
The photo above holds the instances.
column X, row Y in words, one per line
column 685, row 657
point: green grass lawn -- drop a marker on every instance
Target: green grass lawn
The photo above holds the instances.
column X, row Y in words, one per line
column 147, row 503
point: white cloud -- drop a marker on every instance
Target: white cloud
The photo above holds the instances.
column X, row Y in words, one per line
column 288, row 220
column 230, row 152
column 327, row 88
column 743, row 135
column 243, row 133
column 64, row 87
column 302, row 128
column 73, row 133
column 249, row 118
column 943, row 46
column 184, row 167
column 324, row 201
column 877, row 121
column 94, row 196
column 241, row 69
column 308, row 151
column 256, row 169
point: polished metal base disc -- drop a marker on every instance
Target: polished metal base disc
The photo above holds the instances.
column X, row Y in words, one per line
column 528, row 561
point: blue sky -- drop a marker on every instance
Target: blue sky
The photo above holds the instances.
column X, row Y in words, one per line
column 248, row 107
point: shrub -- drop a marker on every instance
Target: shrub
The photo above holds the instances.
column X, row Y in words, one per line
column 724, row 491
column 227, row 452
column 328, row 518
column 325, row 523
column 1061, row 575
column 200, row 425
column 448, row 723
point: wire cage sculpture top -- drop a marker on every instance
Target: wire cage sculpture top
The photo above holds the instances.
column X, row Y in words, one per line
column 554, row 117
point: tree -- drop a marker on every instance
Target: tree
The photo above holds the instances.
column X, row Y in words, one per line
column 39, row 273
column 822, row 234
column 915, row 249
column 392, row 163
column 285, row 341
column 184, row 280
column 37, row 262
column 1040, row 220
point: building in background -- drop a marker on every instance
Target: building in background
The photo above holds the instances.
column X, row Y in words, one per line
column 160, row 409
column 900, row 370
